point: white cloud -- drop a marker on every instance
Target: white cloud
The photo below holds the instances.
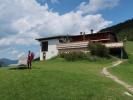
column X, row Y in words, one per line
column 93, row 6
column 22, row 21
column 55, row 1
column 22, row 54
column 17, row 40
column 4, row 48
column 14, row 52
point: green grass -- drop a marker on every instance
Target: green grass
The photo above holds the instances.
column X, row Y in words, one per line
column 125, row 70
column 129, row 47
column 58, row 79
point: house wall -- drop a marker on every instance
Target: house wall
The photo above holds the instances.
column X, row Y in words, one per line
column 52, row 50
column 41, row 55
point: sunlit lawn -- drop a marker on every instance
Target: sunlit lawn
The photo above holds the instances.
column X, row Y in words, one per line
column 58, row 79
column 125, row 70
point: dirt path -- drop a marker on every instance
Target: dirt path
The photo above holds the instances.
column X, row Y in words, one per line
column 114, row 78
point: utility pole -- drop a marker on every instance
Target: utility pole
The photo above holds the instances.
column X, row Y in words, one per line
column 121, row 53
column 122, row 49
column 84, row 38
column 67, row 38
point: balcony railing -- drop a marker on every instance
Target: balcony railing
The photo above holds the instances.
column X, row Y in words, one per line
column 84, row 44
column 72, row 45
column 114, row 45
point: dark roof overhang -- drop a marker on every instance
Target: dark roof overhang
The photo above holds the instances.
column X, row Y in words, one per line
column 71, row 36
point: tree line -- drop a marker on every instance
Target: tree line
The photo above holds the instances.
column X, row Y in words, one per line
column 124, row 31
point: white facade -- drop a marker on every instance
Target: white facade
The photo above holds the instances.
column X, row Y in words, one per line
column 52, row 50
column 41, row 55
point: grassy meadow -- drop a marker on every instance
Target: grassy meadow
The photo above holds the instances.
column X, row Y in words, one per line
column 58, row 79
column 125, row 70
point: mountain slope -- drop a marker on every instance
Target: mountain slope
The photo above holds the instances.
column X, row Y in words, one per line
column 123, row 30
column 6, row 62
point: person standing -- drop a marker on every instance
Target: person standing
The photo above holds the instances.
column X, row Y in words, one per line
column 29, row 60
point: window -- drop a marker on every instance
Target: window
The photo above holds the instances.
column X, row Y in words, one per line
column 62, row 40
column 45, row 46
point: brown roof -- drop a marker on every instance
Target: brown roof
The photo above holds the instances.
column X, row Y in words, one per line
column 52, row 37
column 75, row 36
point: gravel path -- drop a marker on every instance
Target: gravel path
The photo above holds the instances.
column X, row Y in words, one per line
column 114, row 78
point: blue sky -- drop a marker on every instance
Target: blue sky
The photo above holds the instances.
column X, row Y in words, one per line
column 117, row 14
column 22, row 21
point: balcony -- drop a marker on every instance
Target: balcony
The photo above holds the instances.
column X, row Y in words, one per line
column 114, row 45
column 84, row 44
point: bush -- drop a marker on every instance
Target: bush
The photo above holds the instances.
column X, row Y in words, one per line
column 62, row 55
column 72, row 56
column 97, row 49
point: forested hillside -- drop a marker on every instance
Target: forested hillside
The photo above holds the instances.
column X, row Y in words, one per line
column 123, row 30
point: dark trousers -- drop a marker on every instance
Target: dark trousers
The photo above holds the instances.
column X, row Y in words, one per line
column 29, row 63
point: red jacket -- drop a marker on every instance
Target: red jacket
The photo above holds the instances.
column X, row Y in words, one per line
column 30, row 56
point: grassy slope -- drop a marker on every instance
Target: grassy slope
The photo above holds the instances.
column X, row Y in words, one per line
column 60, row 80
column 125, row 70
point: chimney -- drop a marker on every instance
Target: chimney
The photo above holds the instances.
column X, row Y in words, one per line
column 91, row 31
column 81, row 33
column 84, row 36
column 84, row 33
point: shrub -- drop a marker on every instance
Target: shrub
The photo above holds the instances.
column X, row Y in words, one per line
column 97, row 49
column 72, row 56
column 62, row 55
